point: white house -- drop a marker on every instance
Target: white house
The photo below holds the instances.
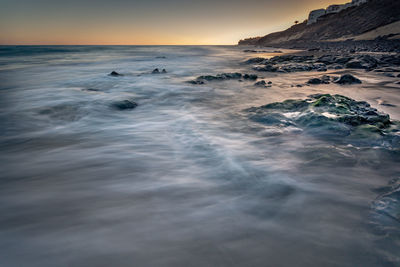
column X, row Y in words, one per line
column 335, row 9
column 315, row 14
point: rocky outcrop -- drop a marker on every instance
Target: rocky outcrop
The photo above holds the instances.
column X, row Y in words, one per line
column 223, row 76
column 334, row 117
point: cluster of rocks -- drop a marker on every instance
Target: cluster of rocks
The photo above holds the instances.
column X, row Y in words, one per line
column 343, row 79
column 334, row 117
column 263, row 83
column 378, row 45
column 223, row 76
column 157, row 71
column 296, row 63
column 261, row 51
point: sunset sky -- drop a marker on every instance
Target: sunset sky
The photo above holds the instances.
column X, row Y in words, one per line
column 147, row 21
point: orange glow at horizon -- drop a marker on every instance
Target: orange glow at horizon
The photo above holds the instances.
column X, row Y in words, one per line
column 152, row 27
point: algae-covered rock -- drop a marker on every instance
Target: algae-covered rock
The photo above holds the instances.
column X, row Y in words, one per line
column 326, row 115
column 223, row 76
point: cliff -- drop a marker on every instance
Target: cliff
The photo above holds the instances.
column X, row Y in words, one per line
column 348, row 24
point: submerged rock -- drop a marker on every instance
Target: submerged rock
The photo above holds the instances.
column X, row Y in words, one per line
column 386, row 209
column 124, row 104
column 325, row 115
column 114, row 73
column 347, row 79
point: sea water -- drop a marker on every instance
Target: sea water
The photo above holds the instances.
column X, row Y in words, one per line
column 185, row 178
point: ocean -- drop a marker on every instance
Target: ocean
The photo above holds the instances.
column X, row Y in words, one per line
column 185, row 178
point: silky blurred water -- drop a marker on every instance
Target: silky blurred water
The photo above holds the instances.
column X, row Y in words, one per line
column 184, row 179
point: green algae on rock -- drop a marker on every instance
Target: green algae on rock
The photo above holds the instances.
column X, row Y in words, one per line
column 325, row 115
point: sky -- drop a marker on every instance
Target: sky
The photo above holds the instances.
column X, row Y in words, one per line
column 147, row 22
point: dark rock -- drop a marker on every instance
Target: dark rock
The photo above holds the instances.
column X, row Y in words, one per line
column 331, row 116
column 114, row 73
column 219, row 77
column 323, row 80
column 124, row 104
column 327, row 59
column 347, row 79
column 155, row 71
column 267, row 68
column 385, row 209
column 263, row 84
column 196, row 82
column 314, row 81
column 343, row 60
column 256, row 60
column 250, row 77
column 355, row 64
column 164, row 71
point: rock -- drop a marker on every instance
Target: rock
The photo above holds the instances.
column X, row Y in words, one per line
column 323, row 80
column 155, row 71
column 343, row 60
column 291, row 58
column 263, row 84
column 164, row 71
column 256, row 60
column 314, row 81
column 326, row 59
column 114, row 73
column 385, row 209
column 249, row 51
column 347, row 79
column 355, row 64
column 267, row 68
column 250, row 77
column 124, row 104
column 222, row 76
column 331, row 116
column 196, row 82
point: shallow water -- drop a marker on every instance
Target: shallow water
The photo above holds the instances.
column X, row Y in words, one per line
column 185, row 178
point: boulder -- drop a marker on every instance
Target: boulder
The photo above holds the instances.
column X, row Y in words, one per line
column 347, row 79
column 124, row 104
column 114, row 73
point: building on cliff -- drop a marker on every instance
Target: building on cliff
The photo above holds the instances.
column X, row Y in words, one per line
column 315, row 14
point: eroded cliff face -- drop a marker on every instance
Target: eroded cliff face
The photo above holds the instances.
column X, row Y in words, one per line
column 347, row 24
